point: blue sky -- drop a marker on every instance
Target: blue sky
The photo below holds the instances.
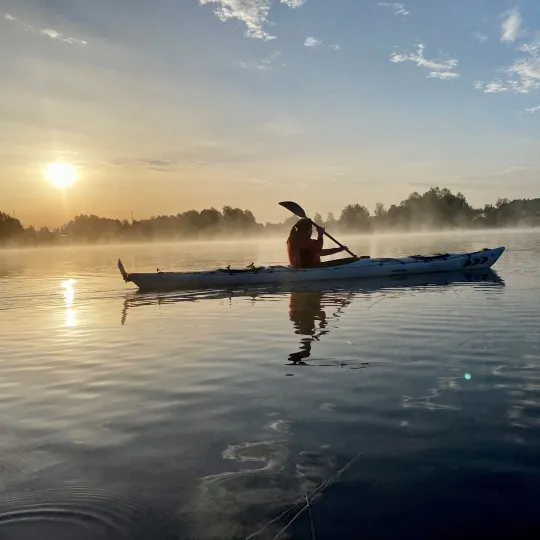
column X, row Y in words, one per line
column 167, row 105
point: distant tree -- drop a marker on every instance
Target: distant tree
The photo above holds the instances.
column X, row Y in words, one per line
column 435, row 208
column 318, row 219
column 210, row 219
column 10, row 228
column 330, row 220
column 355, row 217
column 380, row 211
column 238, row 219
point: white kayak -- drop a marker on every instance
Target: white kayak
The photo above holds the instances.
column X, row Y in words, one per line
column 353, row 268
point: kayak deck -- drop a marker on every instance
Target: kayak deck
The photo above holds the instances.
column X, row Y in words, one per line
column 352, row 268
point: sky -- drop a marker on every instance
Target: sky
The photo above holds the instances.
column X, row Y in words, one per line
column 168, row 105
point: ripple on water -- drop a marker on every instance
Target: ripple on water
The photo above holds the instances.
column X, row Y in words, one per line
column 82, row 512
column 17, row 463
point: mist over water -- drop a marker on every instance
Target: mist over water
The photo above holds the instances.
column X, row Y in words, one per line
column 411, row 405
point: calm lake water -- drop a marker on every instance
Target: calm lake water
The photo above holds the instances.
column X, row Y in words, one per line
column 412, row 406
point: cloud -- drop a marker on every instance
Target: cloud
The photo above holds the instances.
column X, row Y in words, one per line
column 49, row 32
column 493, row 87
column 440, row 69
column 266, row 64
column 533, row 110
column 335, row 47
column 511, row 26
column 253, row 13
column 312, row 42
column 158, row 164
column 527, row 70
column 531, row 48
column 53, row 34
column 443, row 75
column 293, row 4
column 162, row 165
column 524, row 73
column 397, row 7
column 482, row 38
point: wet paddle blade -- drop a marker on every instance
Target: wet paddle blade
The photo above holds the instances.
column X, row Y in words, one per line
column 295, row 208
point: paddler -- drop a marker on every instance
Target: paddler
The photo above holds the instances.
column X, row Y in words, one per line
column 305, row 252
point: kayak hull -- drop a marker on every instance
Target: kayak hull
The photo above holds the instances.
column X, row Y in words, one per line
column 356, row 269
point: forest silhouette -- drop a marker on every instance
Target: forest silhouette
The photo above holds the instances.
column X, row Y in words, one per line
column 436, row 209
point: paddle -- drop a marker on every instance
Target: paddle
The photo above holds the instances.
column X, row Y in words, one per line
column 297, row 210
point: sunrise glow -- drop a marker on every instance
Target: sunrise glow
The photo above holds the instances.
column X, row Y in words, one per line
column 60, row 174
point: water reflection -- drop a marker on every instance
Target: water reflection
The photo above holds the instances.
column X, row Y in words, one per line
column 313, row 306
column 69, row 298
column 310, row 320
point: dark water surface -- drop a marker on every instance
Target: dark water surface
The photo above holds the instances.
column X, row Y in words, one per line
column 402, row 409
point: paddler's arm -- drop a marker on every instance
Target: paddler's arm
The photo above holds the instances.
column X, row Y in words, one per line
column 319, row 244
column 332, row 251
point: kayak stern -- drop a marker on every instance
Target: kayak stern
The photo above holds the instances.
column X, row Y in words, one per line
column 125, row 275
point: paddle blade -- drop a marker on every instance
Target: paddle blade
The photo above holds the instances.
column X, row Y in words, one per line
column 295, row 208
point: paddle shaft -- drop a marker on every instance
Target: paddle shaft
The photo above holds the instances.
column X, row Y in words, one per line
column 334, row 240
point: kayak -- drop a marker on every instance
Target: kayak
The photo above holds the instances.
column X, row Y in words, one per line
column 351, row 268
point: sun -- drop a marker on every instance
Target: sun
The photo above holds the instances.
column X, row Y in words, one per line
column 61, row 174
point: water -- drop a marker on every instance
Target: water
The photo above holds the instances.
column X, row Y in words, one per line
column 206, row 415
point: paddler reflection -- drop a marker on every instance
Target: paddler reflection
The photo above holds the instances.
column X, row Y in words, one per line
column 310, row 320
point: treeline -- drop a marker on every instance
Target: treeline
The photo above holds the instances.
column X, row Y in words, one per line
column 436, row 209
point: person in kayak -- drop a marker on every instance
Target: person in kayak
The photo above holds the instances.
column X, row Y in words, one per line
column 303, row 251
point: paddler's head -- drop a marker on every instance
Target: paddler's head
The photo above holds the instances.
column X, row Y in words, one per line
column 301, row 230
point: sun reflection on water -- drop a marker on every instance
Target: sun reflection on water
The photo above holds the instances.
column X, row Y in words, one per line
column 69, row 298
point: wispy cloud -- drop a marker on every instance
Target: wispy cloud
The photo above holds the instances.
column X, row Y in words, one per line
column 158, row 164
column 482, row 38
column 493, row 87
column 524, row 73
column 49, row 32
column 53, row 34
column 527, row 69
column 335, row 47
column 511, row 25
column 293, row 3
column 397, row 7
column 440, row 69
column 266, row 64
column 312, row 42
column 533, row 110
column 253, row 13
column 443, row 75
